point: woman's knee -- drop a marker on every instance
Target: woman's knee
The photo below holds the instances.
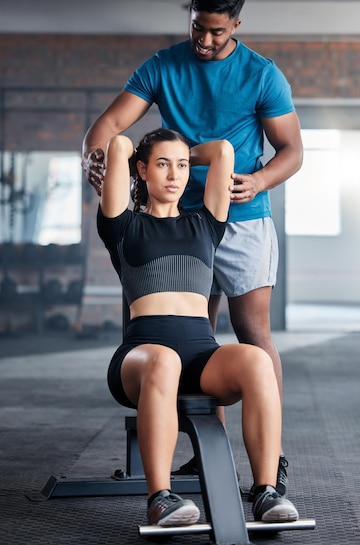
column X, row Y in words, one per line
column 256, row 364
column 151, row 366
column 163, row 367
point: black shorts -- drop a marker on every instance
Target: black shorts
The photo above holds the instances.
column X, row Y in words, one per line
column 191, row 337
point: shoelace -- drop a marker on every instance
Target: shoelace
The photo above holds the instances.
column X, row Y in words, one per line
column 271, row 495
column 164, row 500
column 258, row 504
column 172, row 498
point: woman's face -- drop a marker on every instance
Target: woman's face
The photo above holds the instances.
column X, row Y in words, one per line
column 167, row 171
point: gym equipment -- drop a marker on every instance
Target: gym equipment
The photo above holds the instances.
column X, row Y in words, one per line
column 217, row 482
column 265, row 527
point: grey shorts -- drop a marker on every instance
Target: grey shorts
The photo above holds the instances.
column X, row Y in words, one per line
column 247, row 258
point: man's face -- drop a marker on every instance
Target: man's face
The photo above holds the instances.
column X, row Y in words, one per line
column 210, row 35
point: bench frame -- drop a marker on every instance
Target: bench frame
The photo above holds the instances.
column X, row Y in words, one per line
column 217, row 482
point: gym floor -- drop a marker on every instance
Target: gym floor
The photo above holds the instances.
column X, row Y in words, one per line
column 58, row 418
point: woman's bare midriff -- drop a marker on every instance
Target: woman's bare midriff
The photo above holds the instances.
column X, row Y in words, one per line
column 171, row 303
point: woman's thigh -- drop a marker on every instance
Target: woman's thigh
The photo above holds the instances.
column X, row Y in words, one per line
column 234, row 369
column 128, row 366
column 150, row 364
column 191, row 338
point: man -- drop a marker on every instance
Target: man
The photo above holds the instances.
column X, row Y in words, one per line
column 210, row 87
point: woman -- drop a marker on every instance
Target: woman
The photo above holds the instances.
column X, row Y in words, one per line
column 164, row 261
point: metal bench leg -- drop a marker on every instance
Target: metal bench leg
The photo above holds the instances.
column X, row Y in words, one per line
column 121, row 483
column 218, row 479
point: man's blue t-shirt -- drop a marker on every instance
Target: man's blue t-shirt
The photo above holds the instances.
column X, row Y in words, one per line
column 212, row 100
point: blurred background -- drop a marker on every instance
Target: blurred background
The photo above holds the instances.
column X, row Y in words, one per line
column 61, row 64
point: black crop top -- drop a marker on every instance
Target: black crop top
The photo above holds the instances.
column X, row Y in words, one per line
column 153, row 255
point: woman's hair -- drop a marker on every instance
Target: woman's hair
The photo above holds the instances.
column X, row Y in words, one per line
column 143, row 152
column 231, row 7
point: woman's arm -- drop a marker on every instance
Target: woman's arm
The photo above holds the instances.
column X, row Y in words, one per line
column 122, row 113
column 219, row 155
column 115, row 193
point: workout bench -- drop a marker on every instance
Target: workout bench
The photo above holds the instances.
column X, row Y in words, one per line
column 217, row 481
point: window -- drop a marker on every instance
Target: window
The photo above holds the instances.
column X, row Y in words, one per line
column 312, row 195
column 40, row 197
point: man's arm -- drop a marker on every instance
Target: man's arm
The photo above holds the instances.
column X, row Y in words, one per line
column 123, row 112
column 284, row 135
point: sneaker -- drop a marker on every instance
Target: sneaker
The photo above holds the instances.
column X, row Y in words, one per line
column 169, row 509
column 281, row 479
column 269, row 506
column 189, row 468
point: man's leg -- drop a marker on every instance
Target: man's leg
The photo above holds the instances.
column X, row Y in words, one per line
column 250, row 319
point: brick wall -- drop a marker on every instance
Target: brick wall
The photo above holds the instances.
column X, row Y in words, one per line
column 56, row 85
column 317, row 69
column 320, row 68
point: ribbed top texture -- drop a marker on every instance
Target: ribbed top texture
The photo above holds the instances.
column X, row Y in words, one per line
column 180, row 273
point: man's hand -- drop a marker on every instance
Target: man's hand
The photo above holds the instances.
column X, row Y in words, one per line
column 245, row 188
column 94, row 168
